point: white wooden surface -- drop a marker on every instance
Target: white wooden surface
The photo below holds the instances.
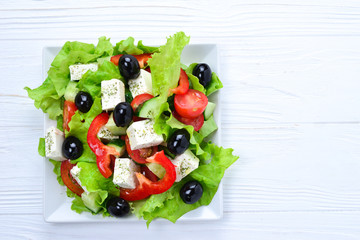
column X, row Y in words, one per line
column 291, row 110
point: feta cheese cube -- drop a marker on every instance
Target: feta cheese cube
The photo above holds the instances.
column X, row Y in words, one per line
column 142, row 135
column 124, row 173
column 78, row 70
column 105, row 135
column 75, row 173
column 142, row 84
column 112, row 93
column 54, row 139
column 185, row 163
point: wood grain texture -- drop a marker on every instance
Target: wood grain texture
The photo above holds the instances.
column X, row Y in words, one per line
column 290, row 109
column 253, row 226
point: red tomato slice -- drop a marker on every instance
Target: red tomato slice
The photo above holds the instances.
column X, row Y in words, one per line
column 140, row 99
column 183, row 84
column 195, row 122
column 191, row 104
column 69, row 111
column 68, row 180
column 148, row 174
column 139, row 155
column 142, row 59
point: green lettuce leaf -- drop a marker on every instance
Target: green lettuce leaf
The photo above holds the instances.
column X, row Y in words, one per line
column 99, row 189
column 127, row 46
column 93, row 202
column 79, row 206
column 165, row 65
column 146, row 49
column 41, row 147
column 194, row 81
column 57, row 171
column 46, row 98
column 169, row 205
column 79, row 126
column 49, row 96
column 214, row 85
column 69, row 193
column 59, row 122
column 208, row 127
column 91, row 178
column 91, row 81
column 104, row 48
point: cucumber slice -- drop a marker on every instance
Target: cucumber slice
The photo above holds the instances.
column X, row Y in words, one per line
column 89, row 200
column 157, row 169
column 71, row 91
column 209, row 110
column 119, row 145
column 146, row 110
column 115, row 130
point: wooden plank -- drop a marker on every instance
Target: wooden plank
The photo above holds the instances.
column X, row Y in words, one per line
column 45, row 20
column 281, row 226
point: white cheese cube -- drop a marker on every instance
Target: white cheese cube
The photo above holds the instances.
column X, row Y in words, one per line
column 184, row 164
column 75, row 173
column 124, row 173
column 105, row 134
column 112, row 93
column 54, row 139
column 142, row 135
column 142, row 84
column 78, row 70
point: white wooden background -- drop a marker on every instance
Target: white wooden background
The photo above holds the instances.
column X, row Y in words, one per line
column 291, row 110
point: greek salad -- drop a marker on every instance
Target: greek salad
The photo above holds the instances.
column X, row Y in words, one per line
column 132, row 124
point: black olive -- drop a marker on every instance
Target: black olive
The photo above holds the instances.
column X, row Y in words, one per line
column 179, row 141
column 123, row 114
column 72, row 148
column 191, row 192
column 83, row 101
column 203, row 72
column 118, row 207
column 129, row 67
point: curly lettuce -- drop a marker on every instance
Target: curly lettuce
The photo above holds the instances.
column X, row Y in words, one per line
column 49, row 96
column 127, row 46
column 169, row 204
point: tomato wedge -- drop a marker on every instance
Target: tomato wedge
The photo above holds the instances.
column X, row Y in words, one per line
column 103, row 152
column 142, row 59
column 183, row 83
column 191, row 104
column 148, row 173
column 139, row 155
column 146, row 187
column 68, row 180
column 197, row 123
column 140, row 99
column 69, row 111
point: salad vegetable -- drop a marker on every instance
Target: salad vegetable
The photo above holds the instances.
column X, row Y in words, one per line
column 132, row 123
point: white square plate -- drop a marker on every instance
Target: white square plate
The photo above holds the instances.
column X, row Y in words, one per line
column 57, row 206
